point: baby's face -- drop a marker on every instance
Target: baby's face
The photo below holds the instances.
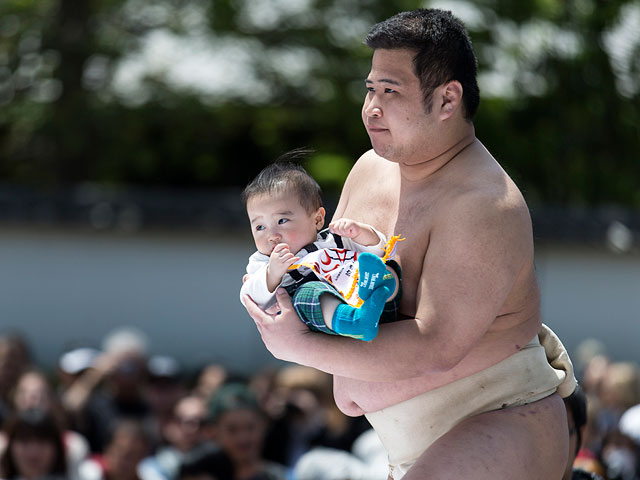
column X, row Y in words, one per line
column 282, row 219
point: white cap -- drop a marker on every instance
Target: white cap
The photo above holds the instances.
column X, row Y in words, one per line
column 126, row 339
column 163, row 366
column 629, row 424
column 77, row 360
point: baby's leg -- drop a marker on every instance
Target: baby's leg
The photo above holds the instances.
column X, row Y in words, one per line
column 328, row 304
column 360, row 323
column 322, row 308
column 372, row 274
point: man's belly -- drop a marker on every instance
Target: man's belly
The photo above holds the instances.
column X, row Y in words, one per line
column 357, row 397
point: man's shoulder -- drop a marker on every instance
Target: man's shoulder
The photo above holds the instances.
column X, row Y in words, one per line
column 483, row 207
column 483, row 188
column 369, row 169
column 371, row 163
column 476, row 198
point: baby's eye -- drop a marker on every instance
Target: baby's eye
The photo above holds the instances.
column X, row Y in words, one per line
column 283, row 220
column 259, row 227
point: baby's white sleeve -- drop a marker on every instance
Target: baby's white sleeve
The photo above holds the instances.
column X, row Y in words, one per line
column 256, row 283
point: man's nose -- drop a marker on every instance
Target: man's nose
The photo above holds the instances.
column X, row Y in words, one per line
column 373, row 109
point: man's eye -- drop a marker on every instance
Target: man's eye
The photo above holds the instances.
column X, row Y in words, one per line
column 389, row 90
column 283, row 220
column 259, row 227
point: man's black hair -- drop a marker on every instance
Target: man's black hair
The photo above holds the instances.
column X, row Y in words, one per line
column 286, row 176
column 443, row 51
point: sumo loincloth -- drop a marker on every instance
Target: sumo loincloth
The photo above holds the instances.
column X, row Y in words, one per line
column 535, row 372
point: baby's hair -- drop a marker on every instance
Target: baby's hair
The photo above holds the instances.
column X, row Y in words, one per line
column 284, row 175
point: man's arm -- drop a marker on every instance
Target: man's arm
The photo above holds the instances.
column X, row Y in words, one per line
column 477, row 249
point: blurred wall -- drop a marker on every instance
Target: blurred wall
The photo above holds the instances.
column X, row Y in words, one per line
column 182, row 290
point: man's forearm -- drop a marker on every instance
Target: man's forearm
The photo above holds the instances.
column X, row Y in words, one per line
column 399, row 352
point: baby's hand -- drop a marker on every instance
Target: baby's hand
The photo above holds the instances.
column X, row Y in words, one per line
column 280, row 260
column 345, row 227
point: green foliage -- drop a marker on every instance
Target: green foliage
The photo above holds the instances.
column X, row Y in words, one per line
column 566, row 127
column 329, row 170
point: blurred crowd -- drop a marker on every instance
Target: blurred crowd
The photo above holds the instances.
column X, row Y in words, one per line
column 118, row 413
column 606, row 427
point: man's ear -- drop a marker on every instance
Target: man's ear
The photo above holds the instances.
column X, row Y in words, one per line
column 451, row 99
column 320, row 218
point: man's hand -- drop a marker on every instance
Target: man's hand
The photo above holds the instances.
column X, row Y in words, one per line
column 280, row 260
column 280, row 327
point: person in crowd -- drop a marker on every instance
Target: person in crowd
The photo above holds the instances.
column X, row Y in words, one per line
column 239, row 428
column 620, row 455
column 209, row 379
column 576, row 405
column 367, row 460
column 206, row 464
column 35, row 448
column 165, row 386
column 112, row 389
column 33, row 391
column 619, row 391
column 15, row 357
column 128, row 445
column 184, row 434
column 72, row 364
column 308, row 416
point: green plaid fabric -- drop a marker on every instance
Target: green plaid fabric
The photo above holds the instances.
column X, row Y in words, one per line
column 306, row 301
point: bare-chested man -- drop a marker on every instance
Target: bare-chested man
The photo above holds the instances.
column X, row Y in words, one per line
column 461, row 388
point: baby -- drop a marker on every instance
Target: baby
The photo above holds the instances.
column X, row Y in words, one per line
column 284, row 206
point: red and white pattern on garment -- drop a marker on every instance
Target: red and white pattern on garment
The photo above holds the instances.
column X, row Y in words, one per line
column 339, row 267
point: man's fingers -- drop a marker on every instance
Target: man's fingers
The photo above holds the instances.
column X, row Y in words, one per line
column 284, row 300
column 254, row 310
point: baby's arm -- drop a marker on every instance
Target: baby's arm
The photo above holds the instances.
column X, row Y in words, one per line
column 280, row 260
column 358, row 232
column 264, row 275
column 255, row 285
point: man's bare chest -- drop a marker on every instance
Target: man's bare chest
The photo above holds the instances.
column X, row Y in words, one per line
column 413, row 221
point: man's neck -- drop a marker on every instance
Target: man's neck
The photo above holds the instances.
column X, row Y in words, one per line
column 424, row 168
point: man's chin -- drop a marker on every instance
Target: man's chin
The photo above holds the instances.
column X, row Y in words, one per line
column 383, row 152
